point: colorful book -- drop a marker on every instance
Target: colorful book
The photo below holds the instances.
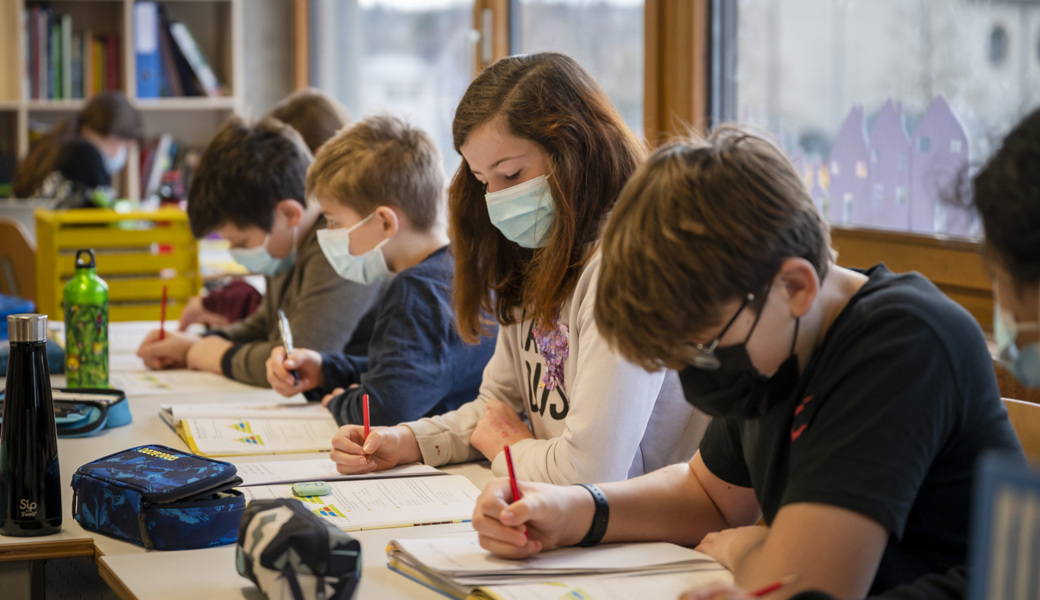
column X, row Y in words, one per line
column 99, row 63
column 146, row 49
column 112, row 61
column 88, row 64
column 171, row 84
column 77, row 65
column 54, row 60
column 65, row 23
column 201, row 69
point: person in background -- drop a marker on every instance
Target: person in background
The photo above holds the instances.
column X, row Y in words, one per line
column 249, row 189
column 849, row 407
column 76, row 161
column 545, row 155
column 316, row 116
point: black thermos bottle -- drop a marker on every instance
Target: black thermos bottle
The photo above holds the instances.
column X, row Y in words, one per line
column 30, row 490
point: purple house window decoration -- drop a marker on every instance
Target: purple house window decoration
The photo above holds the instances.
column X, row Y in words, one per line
column 889, row 170
column 939, row 156
column 849, row 174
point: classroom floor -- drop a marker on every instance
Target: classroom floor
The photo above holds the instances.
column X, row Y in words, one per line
column 75, row 579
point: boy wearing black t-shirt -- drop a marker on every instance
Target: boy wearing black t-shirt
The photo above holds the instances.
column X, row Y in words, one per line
column 850, row 405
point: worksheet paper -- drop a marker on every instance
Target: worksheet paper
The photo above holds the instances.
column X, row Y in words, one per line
column 318, row 469
column 180, row 382
column 229, row 437
column 381, row 503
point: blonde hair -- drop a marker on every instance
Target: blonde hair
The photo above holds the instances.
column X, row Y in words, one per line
column 700, row 224
column 381, row 161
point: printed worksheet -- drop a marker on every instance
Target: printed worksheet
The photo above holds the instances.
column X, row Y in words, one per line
column 229, row 437
column 380, row 503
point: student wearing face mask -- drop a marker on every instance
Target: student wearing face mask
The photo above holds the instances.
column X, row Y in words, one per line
column 380, row 186
column 249, row 189
column 76, row 161
column 849, row 405
column 545, row 155
column 1006, row 194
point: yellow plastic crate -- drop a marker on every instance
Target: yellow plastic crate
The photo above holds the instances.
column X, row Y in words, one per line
column 137, row 254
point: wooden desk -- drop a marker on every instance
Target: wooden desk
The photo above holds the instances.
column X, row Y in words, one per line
column 134, row 573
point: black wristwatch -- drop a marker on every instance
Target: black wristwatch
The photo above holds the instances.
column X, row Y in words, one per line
column 599, row 519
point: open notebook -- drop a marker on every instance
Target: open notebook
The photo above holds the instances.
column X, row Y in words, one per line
column 456, row 566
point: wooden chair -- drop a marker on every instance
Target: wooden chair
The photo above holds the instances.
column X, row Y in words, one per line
column 1025, row 418
column 17, row 260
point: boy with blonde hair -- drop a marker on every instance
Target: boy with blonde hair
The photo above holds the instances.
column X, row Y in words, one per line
column 380, row 186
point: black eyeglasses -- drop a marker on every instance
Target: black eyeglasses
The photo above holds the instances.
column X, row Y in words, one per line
column 704, row 355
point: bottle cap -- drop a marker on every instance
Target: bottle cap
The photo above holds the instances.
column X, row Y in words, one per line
column 83, row 263
column 27, row 328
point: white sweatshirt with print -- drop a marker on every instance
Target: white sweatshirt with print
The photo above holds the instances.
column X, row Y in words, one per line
column 608, row 421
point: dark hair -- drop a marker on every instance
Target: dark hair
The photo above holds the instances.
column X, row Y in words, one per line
column 244, row 172
column 701, row 223
column 107, row 113
column 381, row 160
column 1006, row 192
column 550, row 99
column 314, row 114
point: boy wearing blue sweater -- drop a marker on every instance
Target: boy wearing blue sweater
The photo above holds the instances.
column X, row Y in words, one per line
column 380, row 186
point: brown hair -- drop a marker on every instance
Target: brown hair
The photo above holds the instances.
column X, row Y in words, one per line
column 107, row 113
column 381, row 161
column 701, row 224
column 550, row 99
column 314, row 114
column 244, row 172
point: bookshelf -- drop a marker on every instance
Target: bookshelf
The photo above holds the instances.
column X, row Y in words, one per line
column 216, row 26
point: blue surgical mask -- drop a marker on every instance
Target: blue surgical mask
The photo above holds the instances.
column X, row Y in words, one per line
column 1024, row 363
column 259, row 260
column 368, row 268
column 113, row 164
column 523, row 213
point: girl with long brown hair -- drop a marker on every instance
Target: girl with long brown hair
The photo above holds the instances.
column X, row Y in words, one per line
column 545, row 157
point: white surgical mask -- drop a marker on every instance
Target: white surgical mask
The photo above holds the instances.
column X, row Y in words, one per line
column 259, row 260
column 367, row 268
column 523, row 213
column 113, row 164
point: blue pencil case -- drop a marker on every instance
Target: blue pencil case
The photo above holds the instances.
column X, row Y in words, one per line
column 160, row 498
column 83, row 412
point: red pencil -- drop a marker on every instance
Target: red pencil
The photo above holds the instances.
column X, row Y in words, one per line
column 162, row 315
column 512, row 475
column 364, row 408
column 772, row 587
column 512, row 482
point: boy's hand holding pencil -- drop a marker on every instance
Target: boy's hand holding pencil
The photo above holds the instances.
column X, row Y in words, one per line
column 307, row 365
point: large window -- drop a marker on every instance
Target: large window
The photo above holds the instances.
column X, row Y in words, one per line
column 885, row 105
column 411, row 58
column 605, row 36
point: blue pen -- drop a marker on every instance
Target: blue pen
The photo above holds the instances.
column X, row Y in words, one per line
column 283, row 328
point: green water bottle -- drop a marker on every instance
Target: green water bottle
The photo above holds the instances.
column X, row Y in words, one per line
column 86, row 325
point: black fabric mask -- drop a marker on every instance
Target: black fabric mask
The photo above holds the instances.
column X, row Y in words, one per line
column 736, row 389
